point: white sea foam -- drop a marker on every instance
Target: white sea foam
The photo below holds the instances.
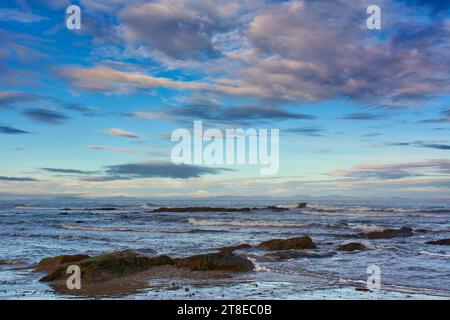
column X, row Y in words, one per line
column 443, row 255
column 247, row 223
column 127, row 229
column 257, row 267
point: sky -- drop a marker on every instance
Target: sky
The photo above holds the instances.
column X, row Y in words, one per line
column 90, row 112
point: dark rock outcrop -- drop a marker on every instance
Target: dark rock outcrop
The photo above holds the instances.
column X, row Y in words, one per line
column 222, row 261
column 286, row 244
column 385, row 234
column 353, row 246
column 201, row 209
column 234, row 248
column 302, row 205
column 442, row 242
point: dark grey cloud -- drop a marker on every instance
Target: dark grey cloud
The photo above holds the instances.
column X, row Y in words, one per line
column 244, row 114
column 11, row 130
column 46, row 115
column 68, row 171
column 9, row 99
column 182, row 29
column 160, row 169
column 363, row 116
column 17, row 179
column 422, row 144
column 307, row 131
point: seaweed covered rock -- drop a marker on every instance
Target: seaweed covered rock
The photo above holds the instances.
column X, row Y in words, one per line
column 221, row 261
column 286, row 244
column 442, row 242
column 352, row 246
column 53, row 263
column 110, row 266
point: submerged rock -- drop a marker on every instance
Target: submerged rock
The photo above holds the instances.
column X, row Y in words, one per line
column 302, row 205
column 385, row 234
column 389, row 233
column 201, row 209
column 442, row 242
column 234, row 248
column 275, row 208
column 109, row 266
column 222, row 261
column 292, row 243
column 293, row 254
column 353, row 246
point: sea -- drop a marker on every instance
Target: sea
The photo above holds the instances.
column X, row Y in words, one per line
column 409, row 268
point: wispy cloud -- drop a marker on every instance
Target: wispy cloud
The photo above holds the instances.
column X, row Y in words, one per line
column 68, row 171
column 117, row 132
column 422, row 144
column 113, row 149
column 17, row 179
column 46, row 115
column 363, row 116
column 19, row 16
column 11, row 130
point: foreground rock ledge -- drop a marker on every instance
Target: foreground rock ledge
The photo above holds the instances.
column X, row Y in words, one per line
column 292, row 243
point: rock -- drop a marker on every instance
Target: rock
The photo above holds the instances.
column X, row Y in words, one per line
column 421, row 231
column 51, row 264
column 275, row 208
column 234, row 248
column 302, row 205
column 201, row 209
column 442, row 242
column 293, row 243
column 385, row 234
column 64, row 213
column 222, row 261
column 293, row 254
column 11, row 262
column 389, row 233
column 110, row 266
column 353, row 246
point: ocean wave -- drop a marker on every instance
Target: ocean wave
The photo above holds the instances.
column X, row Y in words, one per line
column 257, row 267
column 130, row 229
column 366, row 228
column 426, row 253
column 246, row 223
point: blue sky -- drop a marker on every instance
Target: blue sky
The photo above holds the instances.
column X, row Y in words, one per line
column 89, row 112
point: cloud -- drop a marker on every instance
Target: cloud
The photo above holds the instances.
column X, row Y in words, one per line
column 307, row 131
column 113, row 149
column 11, row 130
column 117, row 132
column 45, row 115
column 396, row 171
column 68, row 171
column 445, row 117
column 8, row 99
column 160, row 169
column 363, row 116
column 422, row 144
column 243, row 114
column 17, row 179
column 19, row 16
